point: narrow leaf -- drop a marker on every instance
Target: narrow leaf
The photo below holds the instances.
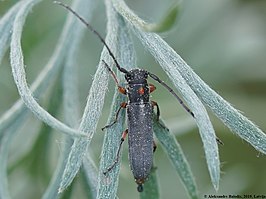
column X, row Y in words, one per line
column 168, row 20
column 107, row 184
column 79, row 147
column 89, row 122
column 91, row 114
column 230, row 116
column 5, row 143
column 177, row 157
column 71, row 106
column 70, row 70
column 222, row 109
column 47, row 75
column 151, row 187
column 50, row 71
column 18, row 71
column 91, row 177
column 6, row 24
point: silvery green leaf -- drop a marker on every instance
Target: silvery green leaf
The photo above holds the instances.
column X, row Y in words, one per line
column 93, row 107
column 107, row 184
column 90, row 116
column 90, row 171
column 18, row 71
column 151, row 186
column 177, row 157
column 168, row 20
column 47, row 75
column 5, row 143
column 230, row 116
column 6, row 24
column 70, row 101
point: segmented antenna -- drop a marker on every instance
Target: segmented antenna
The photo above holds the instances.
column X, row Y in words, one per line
column 123, row 70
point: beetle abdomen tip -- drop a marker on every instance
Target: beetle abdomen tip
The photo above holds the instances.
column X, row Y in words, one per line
column 140, row 188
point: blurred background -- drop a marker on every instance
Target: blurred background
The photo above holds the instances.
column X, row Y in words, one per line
column 224, row 42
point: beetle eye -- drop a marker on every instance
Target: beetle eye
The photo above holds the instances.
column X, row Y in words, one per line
column 128, row 76
column 146, row 75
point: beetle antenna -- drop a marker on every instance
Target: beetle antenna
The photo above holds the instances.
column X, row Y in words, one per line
column 93, row 31
column 171, row 91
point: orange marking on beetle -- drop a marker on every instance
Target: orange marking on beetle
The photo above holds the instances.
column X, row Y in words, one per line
column 123, row 104
column 152, row 87
column 141, row 91
column 122, row 90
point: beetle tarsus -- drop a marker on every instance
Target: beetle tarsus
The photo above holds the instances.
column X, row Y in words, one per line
column 118, row 152
column 219, row 141
column 122, row 105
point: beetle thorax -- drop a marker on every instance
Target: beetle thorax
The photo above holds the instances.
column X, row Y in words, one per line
column 137, row 86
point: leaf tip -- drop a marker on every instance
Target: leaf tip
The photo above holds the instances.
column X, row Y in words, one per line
column 168, row 21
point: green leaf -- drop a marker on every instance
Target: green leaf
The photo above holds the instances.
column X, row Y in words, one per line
column 176, row 156
column 151, row 187
column 107, row 185
column 230, row 116
column 6, row 24
column 18, row 71
column 5, row 143
column 47, row 75
column 93, row 108
column 90, row 175
column 168, row 20
column 71, row 105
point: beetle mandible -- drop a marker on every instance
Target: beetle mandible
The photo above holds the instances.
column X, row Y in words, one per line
column 139, row 113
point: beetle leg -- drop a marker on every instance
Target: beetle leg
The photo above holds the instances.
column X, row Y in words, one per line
column 120, row 88
column 153, row 103
column 154, row 146
column 118, row 152
column 122, row 105
column 219, row 141
column 152, row 87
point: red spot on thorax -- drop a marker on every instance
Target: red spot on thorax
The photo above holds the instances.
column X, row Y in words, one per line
column 141, row 91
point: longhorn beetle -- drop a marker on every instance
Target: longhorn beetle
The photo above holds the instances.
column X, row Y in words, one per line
column 139, row 113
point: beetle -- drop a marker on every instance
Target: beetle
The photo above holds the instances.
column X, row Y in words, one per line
column 139, row 113
column 139, row 120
